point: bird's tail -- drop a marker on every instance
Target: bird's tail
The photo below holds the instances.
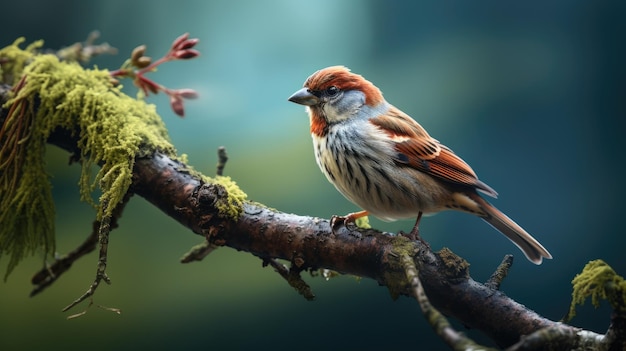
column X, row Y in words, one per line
column 534, row 251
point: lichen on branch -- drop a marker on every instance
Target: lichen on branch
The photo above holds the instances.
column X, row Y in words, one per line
column 112, row 131
column 598, row 281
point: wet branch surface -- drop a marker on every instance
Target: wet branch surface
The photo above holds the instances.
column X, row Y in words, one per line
column 308, row 243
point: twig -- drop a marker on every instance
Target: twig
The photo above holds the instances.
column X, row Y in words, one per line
column 439, row 323
column 86, row 50
column 82, row 313
column 500, row 273
column 103, row 238
column 198, row 252
column 292, row 276
column 139, row 65
column 222, row 159
column 561, row 337
column 50, row 273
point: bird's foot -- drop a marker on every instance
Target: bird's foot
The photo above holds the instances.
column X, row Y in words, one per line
column 414, row 234
column 348, row 221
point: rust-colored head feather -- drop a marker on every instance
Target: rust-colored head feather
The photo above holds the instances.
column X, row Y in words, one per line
column 342, row 78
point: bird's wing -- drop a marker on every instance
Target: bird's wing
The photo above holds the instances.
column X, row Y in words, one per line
column 420, row 151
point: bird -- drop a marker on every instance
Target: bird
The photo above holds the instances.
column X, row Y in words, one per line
column 386, row 163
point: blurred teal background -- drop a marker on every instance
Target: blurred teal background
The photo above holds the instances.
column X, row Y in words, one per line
column 531, row 94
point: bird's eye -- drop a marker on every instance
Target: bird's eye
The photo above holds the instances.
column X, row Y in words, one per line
column 332, row 91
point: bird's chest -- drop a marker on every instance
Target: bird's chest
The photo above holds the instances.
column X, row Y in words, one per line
column 357, row 166
column 329, row 158
column 361, row 167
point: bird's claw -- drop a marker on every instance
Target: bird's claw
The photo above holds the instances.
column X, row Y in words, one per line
column 348, row 222
column 337, row 222
column 414, row 235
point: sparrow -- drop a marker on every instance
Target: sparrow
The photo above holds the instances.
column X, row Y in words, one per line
column 386, row 163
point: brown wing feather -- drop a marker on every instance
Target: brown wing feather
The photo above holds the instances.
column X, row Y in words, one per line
column 410, row 137
column 419, row 150
column 452, row 168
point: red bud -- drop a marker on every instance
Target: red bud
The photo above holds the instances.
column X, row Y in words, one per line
column 178, row 41
column 189, row 43
column 187, row 93
column 186, row 54
column 177, row 105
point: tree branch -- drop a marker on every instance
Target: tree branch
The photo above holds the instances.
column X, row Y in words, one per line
column 308, row 243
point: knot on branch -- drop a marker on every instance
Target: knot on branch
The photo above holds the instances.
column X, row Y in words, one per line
column 455, row 268
column 209, row 198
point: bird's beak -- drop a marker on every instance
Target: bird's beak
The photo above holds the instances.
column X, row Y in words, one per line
column 304, row 97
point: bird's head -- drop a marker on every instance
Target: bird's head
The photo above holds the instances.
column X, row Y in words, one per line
column 334, row 94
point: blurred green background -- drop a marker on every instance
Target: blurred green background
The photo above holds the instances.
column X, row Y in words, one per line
column 531, row 94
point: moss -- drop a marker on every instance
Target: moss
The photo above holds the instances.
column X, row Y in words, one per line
column 236, row 197
column 15, row 59
column 232, row 208
column 363, row 222
column 395, row 273
column 112, row 130
column 455, row 266
column 599, row 281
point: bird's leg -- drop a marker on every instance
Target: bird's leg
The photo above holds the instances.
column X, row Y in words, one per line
column 415, row 232
column 347, row 220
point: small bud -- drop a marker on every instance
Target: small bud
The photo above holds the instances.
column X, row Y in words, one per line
column 137, row 53
column 177, row 105
column 142, row 62
column 189, row 43
column 187, row 93
column 178, row 41
column 186, row 54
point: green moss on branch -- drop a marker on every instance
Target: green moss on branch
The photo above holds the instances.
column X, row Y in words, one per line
column 112, row 130
column 598, row 281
